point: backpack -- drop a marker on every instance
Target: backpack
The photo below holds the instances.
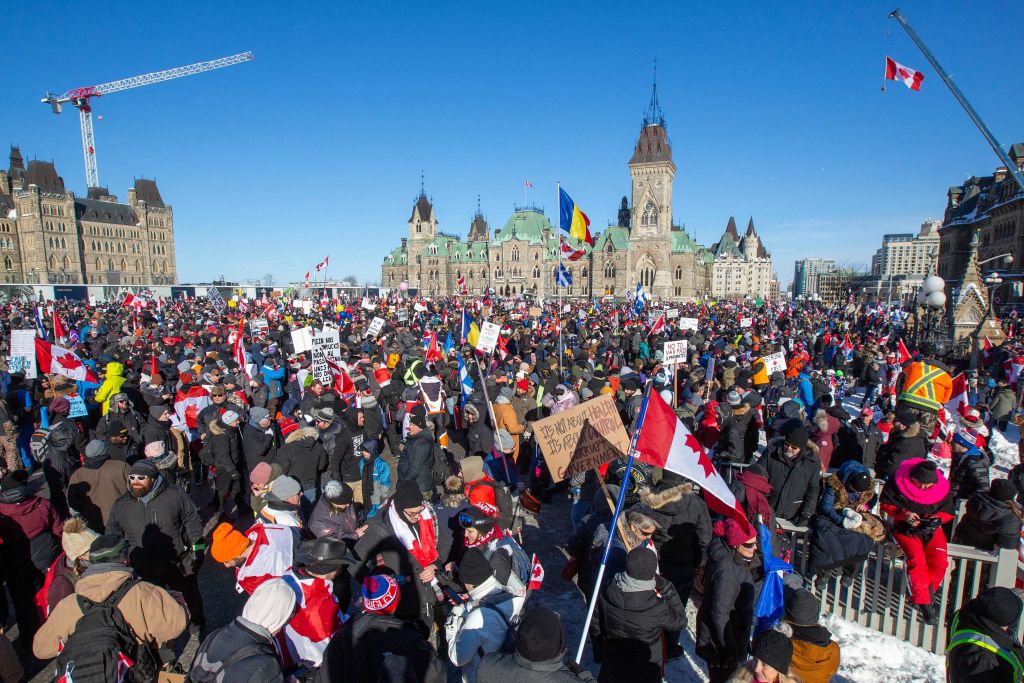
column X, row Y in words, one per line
column 440, row 469
column 503, row 499
column 39, row 444
column 200, row 675
column 508, row 645
column 103, row 645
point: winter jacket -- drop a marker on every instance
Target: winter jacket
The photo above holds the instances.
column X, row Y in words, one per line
column 30, row 531
column 969, row 473
column 512, row 667
column 1002, row 402
column 731, row 441
column 379, row 484
column 900, row 496
column 973, row 662
column 478, row 627
column 302, row 457
column 358, row 652
column 726, row 613
column 64, row 446
column 505, row 418
column 161, row 527
column 815, row 654
column 257, row 445
column 795, row 482
column 629, row 628
column 684, row 526
column 326, row 521
column 417, row 460
column 901, row 446
column 824, row 428
column 149, row 610
column 857, row 442
column 480, row 438
column 988, row 524
column 94, row 488
column 222, row 450
column 111, row 385
column 260, row 664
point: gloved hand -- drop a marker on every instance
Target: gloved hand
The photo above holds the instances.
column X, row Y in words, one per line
column 851, row 518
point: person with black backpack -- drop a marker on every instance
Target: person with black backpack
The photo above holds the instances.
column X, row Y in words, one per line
column 417, row 460
column 112, row 615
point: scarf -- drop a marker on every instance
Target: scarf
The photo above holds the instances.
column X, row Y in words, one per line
column 756, row 486
column 627, row 584
column 421, row 540
column 495, row 534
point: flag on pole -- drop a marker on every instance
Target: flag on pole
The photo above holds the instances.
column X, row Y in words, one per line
column 528, row 184
column 639, row 299
column 659, row 325
column 903, row 353
column 59, row 331
column 959, row 404
column 462, row 284
column 449, row 343
column 572, row 220
column 40, row 328
column 564, row 278
column 536, row 574
column 770, row 605
column 502, row 347
column 467, row 323
column 343, row 384
column 238, row 351
column 433, row 354
column 307, row 278
column 568, row 253
column 465, row 381
column 56, row 360
column 894, row 71
column 665, row 442
column 323, row 264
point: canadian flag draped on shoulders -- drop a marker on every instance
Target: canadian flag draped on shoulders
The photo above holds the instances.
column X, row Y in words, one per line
column 189, row 401
column 665, row 442
column 56, row 360
column 317, row 618
column 270, row 557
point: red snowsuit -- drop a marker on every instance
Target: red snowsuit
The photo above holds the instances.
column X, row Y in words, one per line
column 925, row 549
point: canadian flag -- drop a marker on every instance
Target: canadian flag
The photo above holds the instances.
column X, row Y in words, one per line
column 959, row 403
column 903, row 355
column 307, row 278
column 56, row 360
column 986, row 351
column 1013, row 368
column 343, row 384
column 270, row 558
column 462, row 284
column 433, row 353
column 569, row 253
column 536, row 574
column 659, row 325
column 894, row 71
column 502, row 347
column 59, row 331
column 188, row 404
column 323, row 264
column 315, row 621
column 666, row 443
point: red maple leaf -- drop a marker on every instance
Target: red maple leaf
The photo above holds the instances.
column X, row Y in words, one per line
column 68, row 362
column 702, row 458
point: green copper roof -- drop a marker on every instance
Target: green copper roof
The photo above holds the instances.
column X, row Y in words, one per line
column 525, row 225
column 618, row 235
column 396, row 257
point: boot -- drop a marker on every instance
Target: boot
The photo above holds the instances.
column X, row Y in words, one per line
column 928, row 614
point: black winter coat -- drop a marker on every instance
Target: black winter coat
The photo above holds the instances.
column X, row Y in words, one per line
column 514, row 668
column 731, row 443
column 257, row 446
column 969, row 663
column 857, row 442
column 684, row 526
column 988, row 524
column 261, row 664
column 357, row 652
column 223, row 450
column 726, row 612
column 64, row 446
column 902, row 445
column 479, row 436
column 796, row 483
column 302, row 457
column 629, row 630
column 968, row 474
column 160, row 528
column 417, row 461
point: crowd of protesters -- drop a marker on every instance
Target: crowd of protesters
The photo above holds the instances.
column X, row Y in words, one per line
column 371, row 506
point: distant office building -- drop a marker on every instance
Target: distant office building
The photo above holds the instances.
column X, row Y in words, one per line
column 907, row 253
column 805, row 275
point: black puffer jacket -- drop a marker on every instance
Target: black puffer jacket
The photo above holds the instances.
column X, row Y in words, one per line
column 730, row 445
column 302, row 457
column 261, row 664
column 160, row 528
column 857, row 442
column 988, row 524
column 628, row 629
column 968, row 474
column 64, row 445
column 902, row 445
column 357, row 653
column 726, row 612
column 796, row 483
column 684, row 525
column 417, row 461
column 257, row 446
column 223, row 450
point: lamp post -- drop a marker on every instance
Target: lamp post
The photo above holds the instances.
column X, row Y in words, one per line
column 931, row 297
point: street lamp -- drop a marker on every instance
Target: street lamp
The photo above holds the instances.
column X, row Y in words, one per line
column 932, row 297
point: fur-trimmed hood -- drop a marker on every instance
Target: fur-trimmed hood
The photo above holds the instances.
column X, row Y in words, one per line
column 302, row 433
column 659, row 499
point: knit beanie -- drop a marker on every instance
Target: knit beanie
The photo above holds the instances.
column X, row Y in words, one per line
column 474, row 568
column 338, row 493
column 260, row 474
column 418, row 416
column 999, row 604
column 801, row 607
column 154, row 449
column 59, row 405
column 271, row 605
column 859, row 481
column 539, row 637
column 774, row 649
column 408, row 495
column 925, row 472
column 288, row 426
column 733, row 533
column 227, row 543
column 503, row 440
column 641, row 564
column 108, row 548
column 257, row 414
column 1002, row 490
column 76, row 538
column 145, row 468
column 95, row 449
column 797, row 437
column 284, row 488
column 380, row 594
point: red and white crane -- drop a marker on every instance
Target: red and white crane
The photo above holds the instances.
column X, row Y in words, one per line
column 82, row 99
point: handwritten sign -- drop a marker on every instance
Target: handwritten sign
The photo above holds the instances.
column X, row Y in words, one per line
column 674, row 352
column 671, row 314
column 325, row 346
column 402, row 315
column 775, row 362
column 23, row 348
column 78, row 408
column 368, row 305
column 488, row 337
column 302, row 339
column 688, row 324
column 376, row 325
column 582, row 438
column 536, row 311
column 213, row 294
column 746, row 322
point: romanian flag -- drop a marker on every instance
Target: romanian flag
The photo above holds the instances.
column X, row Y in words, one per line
column 572, row 220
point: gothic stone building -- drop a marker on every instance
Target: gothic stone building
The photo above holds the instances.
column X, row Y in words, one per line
column 645, row 245
column 742, row 266
column 50, row 236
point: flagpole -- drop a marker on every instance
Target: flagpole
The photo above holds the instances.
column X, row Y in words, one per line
column 596, row 595
column 558, row 289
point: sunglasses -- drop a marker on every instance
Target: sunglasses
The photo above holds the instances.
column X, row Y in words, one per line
column 751, row 544
column 137, row 477
column 466, row 521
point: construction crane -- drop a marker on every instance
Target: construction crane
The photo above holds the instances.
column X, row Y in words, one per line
column 82, row 99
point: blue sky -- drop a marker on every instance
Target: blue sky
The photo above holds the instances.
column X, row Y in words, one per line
column 774, row 111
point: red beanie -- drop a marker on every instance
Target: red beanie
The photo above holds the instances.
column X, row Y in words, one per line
column 288, row 426
column 734, row 533
column 523, row 384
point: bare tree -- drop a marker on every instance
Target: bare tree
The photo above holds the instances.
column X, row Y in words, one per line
column 268, row 280
column 350, row 280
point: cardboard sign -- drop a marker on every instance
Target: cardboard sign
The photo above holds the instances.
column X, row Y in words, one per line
column 376, row 325
column 213, row 294
column 536, row 312
column 419, row 307
column 671, row 314
column 368, row 305
column 23, row 352
column 746, row 322
column 582, row 438
column 775, row 362
column 688, row 324
column 402, row 315
column 78, row 408
column 674, row 352
column 302, row 339
column 488, row 337
column 325, row 345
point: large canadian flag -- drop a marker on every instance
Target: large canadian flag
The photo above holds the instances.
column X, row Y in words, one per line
column 959, row 403
column 665, row 442
column 894, row 71
column 56, row 360
column 270, row 558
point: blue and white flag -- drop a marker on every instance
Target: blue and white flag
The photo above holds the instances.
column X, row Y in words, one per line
column 40, row 328
column 465, row 381
column 770, row 605
column 449, row 343
column 564, row 278
column 639, row 299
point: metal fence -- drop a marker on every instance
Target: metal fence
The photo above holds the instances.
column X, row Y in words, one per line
column 878, row 598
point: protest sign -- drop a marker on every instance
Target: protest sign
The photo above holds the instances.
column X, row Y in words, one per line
column 688, row 324
column 302, row 339
column 402, row 315
column 582, row 438
column 324, row 347
column 775, row 362
column 536, row 312
column 368, row 305
column 746, row 322
column 674, row 352
column 23, row 352
column 78, row 408
column 671, row 314
column 419, row 307
column 488, row 337
column 213, row 294
column 257, row 325
column 376, row 325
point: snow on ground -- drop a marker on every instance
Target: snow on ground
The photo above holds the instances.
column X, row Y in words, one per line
column 867, row 655
column 1004, row 447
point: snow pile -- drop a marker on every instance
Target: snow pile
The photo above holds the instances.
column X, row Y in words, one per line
column 1004, row 447
column 867, row 655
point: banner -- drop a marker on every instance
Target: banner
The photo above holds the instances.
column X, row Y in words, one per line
column 746, row 322
column 775, row 362
column 325, row 346
column 671, row 313
column 257, row 325
column 213, row 294
column 368, row 305
column 488, row 337
column 582, row 438
column 376, row 325
column 23, row 353
column 674, row 352
column 688, row 324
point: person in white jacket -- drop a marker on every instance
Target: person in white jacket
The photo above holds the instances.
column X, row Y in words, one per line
column 480, row 625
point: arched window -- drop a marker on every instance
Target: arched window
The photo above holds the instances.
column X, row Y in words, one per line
column 554, row 274
column 497, row 257
column 50, row 242
column 584, row 272
column 647, row 276
column 536, row 272
column 110, row 264
column 483, row 273
column 53, row 262
column 138, row 266
column 8, row 263
column 99, row 265
column 515, row 253
column 163, row 268
column 679, row 272
column 650, row 216
column 67, row 263
column 63, row 245
column 124, row 265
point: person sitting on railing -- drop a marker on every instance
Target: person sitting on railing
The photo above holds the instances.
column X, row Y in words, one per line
column 982, row 643
column 918, row 498
column 844, row 529
column 992, row 519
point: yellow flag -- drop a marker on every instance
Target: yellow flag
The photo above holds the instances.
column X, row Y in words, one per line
column 474, row 335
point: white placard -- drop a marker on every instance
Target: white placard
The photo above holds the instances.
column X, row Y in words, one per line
column 488, row 337
column 419, row 307
column 746, row 322
column 307, row 306
column 23, row 349
column 402, row 315
column 92, row 299
column 566, row 308
column 376, row 325
column 258, row 325
column 325, row 345
column 674, row 352
column 368, row 305
column 671, row 313
column 302, row 339
column 688, row 324
column 775, row 362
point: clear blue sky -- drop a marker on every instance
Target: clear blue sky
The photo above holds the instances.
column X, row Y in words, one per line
column 774, row 111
